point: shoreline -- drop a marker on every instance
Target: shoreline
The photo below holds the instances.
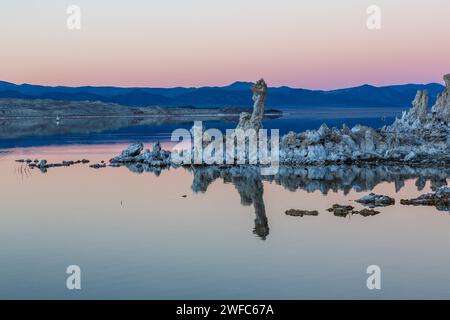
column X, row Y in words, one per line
column 216, row 115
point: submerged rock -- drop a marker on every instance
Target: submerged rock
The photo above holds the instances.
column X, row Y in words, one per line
column 301, row 213
column 440, row 199
column 374, row 200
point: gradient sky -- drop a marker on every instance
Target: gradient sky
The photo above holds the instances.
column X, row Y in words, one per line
column 319, row 44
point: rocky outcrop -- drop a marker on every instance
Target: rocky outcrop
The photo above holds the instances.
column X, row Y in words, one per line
column 341, row 210
column 418, row 136
column 419, row 120
column 366, row 212
column 135, row 154
column 441, row 109
column 129, row 154
column 254, row 120
column 331, row 145
column 419, row 110
column 98, row 165
column 447, row 81
column 44, row 165
column 375, row 200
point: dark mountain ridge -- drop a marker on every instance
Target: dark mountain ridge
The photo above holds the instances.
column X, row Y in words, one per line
column 237, row 94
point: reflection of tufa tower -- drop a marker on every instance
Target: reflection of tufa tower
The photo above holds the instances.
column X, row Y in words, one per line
column 248, row 184
column 250, row 189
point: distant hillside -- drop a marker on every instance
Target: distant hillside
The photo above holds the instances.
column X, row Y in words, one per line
column 237, row 94
column 11, row 108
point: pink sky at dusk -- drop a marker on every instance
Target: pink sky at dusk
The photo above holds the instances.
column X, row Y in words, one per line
column 320, row 45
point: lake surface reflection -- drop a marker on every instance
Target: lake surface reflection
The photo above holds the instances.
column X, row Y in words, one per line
column 203, row 233
column 103, row 130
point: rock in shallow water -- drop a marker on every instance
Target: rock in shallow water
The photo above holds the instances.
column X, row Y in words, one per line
column 366, row 212
column 133, row 150
column 98, row 165
column 133, row 154
column 374, row 200
column 343, row 211
column 340, row 210
column 42, row 163
column 129, row 153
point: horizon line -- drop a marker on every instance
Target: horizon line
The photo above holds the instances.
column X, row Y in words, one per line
column 215, row 86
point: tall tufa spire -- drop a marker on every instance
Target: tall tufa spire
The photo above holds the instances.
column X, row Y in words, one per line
column 447, row 81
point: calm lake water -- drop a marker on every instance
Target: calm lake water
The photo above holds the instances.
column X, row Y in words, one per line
column 134, row 235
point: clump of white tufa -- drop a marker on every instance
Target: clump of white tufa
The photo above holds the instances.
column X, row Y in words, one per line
column 418, row 136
